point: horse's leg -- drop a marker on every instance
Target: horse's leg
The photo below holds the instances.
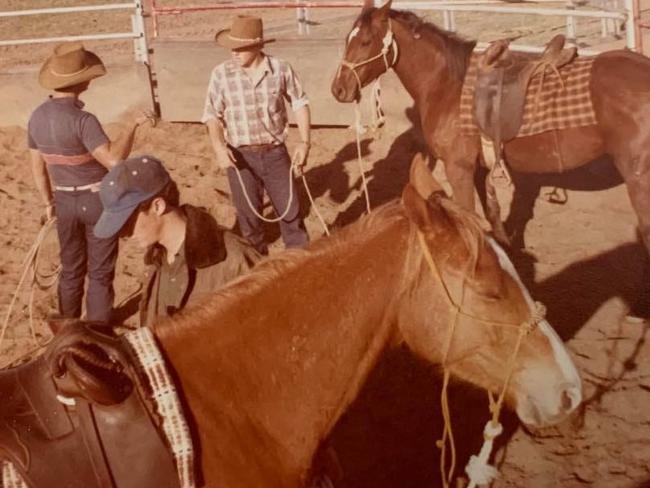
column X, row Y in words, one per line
column 525, row 193
column 636, row 173
column 493, row 211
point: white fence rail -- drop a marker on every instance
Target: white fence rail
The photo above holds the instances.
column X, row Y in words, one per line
column 137, row 32
column 611, row 17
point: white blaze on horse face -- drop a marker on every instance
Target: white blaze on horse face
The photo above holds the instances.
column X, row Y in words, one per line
column 353, row 33
column 572, row 386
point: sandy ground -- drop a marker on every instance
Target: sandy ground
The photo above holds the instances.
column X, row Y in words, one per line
column 584, row 264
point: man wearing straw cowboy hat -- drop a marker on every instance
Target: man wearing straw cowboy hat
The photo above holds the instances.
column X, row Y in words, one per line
column 70, row 153
column 247, row 122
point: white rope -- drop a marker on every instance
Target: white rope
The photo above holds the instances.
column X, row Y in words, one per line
column 252, row 207
column 30, row 270
column 478, row 469
column 291, row 196
column 314, row 206
column 359, row 130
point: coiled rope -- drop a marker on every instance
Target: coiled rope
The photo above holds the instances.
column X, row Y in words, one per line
column 290, row 199
column 37, row 280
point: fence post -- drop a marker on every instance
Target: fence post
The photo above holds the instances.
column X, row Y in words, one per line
column 571, row 27
column 632, row 36
column 140, row 47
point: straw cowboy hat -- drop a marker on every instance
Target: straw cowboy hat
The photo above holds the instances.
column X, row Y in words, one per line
column 246, row 32
column 70, row 65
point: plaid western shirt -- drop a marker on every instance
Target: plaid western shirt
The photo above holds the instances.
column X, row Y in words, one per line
column 253, row 113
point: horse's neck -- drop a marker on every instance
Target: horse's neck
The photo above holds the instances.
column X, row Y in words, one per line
column 287, row 360
column 422, row 67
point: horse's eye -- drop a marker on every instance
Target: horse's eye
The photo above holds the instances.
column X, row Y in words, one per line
column 365, row 43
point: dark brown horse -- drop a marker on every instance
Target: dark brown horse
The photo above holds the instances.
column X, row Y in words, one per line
column 270, row 363
column 432, row 64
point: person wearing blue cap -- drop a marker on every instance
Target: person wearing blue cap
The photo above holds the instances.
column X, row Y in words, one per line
column 188, row 254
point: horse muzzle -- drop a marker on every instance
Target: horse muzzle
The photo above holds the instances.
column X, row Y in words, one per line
column 544, row 410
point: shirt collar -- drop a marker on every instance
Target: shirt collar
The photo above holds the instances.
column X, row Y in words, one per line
column 71, row 100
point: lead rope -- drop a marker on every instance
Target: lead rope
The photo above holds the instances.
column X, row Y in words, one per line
column 377, row 113
column 478, row 469
column 286, row 210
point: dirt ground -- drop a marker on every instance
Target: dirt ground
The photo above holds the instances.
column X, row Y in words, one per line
column 583, row 262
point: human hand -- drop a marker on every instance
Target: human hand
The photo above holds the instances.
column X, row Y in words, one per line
column 300, row 155
column 48, row 213
column 225, row 158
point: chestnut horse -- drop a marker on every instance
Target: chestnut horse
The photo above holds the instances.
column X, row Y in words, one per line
column 431, row 64
column 268, row 364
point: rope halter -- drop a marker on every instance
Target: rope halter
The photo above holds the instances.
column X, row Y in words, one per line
column 478, row 469
column 388, row 42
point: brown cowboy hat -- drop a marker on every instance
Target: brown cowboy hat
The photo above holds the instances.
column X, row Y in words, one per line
column 246, row 32
column 70, row 65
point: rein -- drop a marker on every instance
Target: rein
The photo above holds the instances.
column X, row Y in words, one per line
column 478, row 469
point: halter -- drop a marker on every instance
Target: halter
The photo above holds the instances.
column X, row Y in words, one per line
column 478, row 469
column 387, row 42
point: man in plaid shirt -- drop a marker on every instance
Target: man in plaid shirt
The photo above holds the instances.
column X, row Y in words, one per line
column 247, row 122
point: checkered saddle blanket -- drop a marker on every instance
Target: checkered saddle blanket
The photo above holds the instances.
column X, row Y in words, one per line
column 551, row 103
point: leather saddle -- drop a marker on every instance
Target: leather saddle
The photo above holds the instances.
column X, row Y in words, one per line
column 502, row 80
column 77, row 416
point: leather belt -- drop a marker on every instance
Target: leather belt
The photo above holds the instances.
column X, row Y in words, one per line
column 258, row 147
column 94, row 187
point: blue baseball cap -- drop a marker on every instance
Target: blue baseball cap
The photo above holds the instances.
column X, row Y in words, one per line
column 125, row 186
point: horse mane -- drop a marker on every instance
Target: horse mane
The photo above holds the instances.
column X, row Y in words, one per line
column 271, row 268
column 455, row 49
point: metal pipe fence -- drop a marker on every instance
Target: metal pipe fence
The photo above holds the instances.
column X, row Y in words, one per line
column 608, row 16
column 137, row 32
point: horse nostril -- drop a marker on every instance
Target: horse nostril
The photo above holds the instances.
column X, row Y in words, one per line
column 570, row 398
column 340, row 93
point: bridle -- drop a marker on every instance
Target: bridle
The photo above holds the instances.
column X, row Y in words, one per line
column 388, row 42
column 478, row 469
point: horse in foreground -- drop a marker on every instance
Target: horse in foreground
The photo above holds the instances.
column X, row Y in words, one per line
column 270, row 363
column 432, row 65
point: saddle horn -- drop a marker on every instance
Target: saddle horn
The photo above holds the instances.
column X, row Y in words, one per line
column 89, row 364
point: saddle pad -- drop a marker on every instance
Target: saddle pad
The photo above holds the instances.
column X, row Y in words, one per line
column 560, row 105
column 9, row 477
column 165, row 399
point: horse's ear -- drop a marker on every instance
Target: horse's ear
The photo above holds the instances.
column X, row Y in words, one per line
column 427, row 214
column 416, row 207
column 420, row 177
column 384, row 10
column 367, row 4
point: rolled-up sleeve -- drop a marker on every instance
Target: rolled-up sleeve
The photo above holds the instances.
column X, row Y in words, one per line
column 294, row 90
column 214, row 101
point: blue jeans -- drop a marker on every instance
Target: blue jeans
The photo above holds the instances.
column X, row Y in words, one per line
column 266, row 170
column 82, row 253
